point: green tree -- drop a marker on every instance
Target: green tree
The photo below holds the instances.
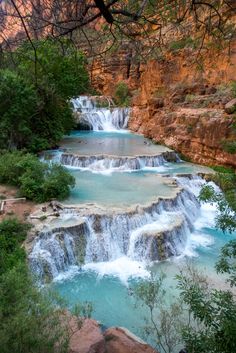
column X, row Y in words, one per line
column 12, row 234
column 225, row 200
column 32, row 320
column 35, row 110
column 18, row 106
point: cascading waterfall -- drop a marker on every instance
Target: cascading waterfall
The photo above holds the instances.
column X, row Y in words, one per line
column 147, row 233
column 89, row 114
column 144, row 233
column 103, row 163
column 52, row 254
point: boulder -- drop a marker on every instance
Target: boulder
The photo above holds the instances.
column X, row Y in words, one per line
column 87, row 339
column 230, row 107
column 120, row 340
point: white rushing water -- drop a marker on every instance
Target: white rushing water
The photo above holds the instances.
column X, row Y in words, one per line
column 98, row 118
column 170, row 227
column 110, row 164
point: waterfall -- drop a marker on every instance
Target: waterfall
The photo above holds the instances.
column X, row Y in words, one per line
column 146, row 233
column 104, row 163
column 152, row 232
column 54, row 251
column 90, row 115
column 52, row 254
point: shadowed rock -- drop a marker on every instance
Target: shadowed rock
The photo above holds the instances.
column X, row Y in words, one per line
column 120, row 340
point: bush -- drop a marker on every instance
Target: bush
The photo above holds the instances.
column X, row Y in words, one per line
column 187, row 42
column 229, row 146
column 12, row 234
column 37, row 181
column 31, row 320
column 226, row 201
column 233, row 88
column 122, row 94
column 213, row 325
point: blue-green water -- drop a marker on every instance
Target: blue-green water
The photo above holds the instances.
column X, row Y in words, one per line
column 112, row 143
column 111, row 295
column 117, row 189
column 108, row 285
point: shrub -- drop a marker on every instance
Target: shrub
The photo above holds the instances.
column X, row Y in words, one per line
column 12, row 234
column 233, row 88
column 213, row 326
column 187, row 42
column 122, row 94
column 37, row 181
column 229, row 146
column 57, row 183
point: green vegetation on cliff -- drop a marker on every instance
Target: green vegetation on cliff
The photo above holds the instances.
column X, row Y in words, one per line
column 122, row 94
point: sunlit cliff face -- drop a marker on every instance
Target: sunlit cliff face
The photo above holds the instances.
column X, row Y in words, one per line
column 36, row 18
column 15, row 20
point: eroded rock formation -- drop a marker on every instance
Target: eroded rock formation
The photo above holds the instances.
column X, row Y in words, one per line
column 176, row 102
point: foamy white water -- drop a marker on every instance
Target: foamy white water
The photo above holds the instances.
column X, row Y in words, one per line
column 123, row 267
column 97, row 118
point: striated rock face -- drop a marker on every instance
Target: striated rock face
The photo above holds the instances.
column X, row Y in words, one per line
column 120, row 340
column 198, row 133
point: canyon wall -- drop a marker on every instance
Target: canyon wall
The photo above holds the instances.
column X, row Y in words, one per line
column 177, row 100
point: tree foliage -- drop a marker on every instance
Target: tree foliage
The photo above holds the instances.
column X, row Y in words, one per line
column 36, row 180
column 225, row 200
column 121, row 94
column 35, row 110
column 12, row 234
column 227, row 261
column 163, row 320
column 213, row 328
column 30, row 320
column 102, row 25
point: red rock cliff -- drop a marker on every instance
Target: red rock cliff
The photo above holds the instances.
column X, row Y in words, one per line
column 176, row 101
